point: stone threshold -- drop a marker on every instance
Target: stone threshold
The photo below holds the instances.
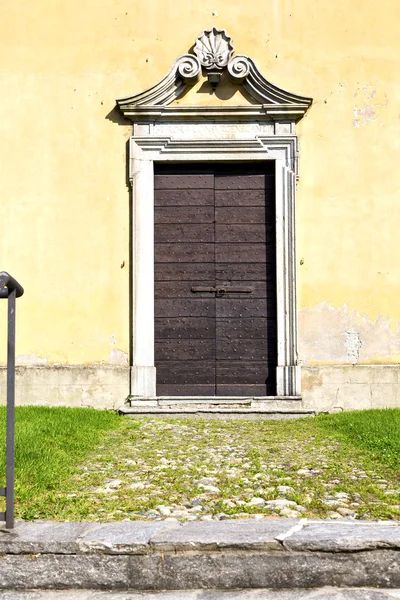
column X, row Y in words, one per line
column 213, row 400
column 230, row 555
column 235, row 406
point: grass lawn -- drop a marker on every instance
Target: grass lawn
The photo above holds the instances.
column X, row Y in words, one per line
column 86, row 464
column 376, row 431
column 50, row 444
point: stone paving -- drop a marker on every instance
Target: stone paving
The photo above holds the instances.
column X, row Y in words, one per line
column 202, row 470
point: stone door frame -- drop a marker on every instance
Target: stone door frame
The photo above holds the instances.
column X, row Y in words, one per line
column 212, row 142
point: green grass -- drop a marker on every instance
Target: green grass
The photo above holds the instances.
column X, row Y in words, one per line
column 50, row 443
column 377, row 431
column 85, row 464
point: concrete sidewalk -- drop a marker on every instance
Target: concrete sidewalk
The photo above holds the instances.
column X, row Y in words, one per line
column 274, row 554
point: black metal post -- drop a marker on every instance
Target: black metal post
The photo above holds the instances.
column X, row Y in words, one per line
column 10, row 410
column 10, row 289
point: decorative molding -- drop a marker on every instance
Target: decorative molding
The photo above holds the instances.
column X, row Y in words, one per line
column 213, row 48
column 276, row 112
column 242, row 69
column 185, row 71
column 213, row 52
column 283, row 148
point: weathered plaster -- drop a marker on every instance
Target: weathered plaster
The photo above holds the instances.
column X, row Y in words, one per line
column 369, row 104
column 31, row 359
column 118, row 357
column 329, row 335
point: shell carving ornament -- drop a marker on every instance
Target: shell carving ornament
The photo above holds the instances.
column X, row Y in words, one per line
column 213, row 48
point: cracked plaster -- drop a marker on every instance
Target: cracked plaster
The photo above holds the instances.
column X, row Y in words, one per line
column 345, row 336
column 370, row 102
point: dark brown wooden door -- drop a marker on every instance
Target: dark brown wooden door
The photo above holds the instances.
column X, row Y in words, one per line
column 215, row 274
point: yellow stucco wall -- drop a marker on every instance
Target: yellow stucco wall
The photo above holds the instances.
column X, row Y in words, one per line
column 64, row 202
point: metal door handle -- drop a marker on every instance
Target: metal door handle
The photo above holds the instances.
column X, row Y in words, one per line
column 221, row 290
column 199, row 290
column 236, row 290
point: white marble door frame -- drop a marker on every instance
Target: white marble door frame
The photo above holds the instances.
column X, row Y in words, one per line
column 211, row 142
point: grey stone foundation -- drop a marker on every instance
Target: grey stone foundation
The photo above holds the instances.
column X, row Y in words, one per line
column 324, row 388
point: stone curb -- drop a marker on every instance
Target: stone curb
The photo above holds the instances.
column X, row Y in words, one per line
column 139, row 555
column 261, row 594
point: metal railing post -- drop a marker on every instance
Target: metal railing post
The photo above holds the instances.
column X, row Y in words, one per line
column 10, row 450
column 10, row 289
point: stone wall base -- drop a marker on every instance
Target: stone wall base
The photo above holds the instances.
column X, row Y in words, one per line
column 351, row 387
column 324, row 388
column 94, row 386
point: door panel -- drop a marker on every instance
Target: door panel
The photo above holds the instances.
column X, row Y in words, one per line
column 243, row 329
column 184, row 256
column 257, row 349
column 198, row 349
column 245, row 235
column 195, row 198
column 186, row 372
column 240, row 182
column 187, row 307
column 237, row 253
column 179, row 389
column 169, row 328
column 240, row 198
column 186, row 182
column 241, row 390
column 243, row 271
column 191, row 271
column 235, row 214
column 186, row 253
column 184, row 214
column 242, row 232
column 242, row 372
column 240, row 308
column 185, row 232
column 214, row 229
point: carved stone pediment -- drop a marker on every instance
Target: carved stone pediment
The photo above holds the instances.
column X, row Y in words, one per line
column 212, row 55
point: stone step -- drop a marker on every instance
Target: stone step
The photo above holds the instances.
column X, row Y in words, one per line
column 262, row 594
column 217, row 413
column 269, row 407
column 248, row 554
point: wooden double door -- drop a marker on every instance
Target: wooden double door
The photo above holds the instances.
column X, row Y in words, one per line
column 215, row 279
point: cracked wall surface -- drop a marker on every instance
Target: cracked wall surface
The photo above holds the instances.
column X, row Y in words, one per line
column 344, row 336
